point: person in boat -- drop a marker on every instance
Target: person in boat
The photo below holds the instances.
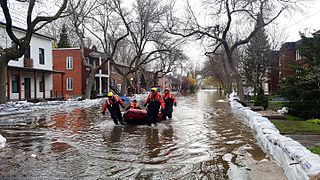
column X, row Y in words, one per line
column 113, row 104
column 169, row 101
column 154, row 102
column 133, row 105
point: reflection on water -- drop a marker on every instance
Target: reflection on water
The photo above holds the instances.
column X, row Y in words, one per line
column 203, row 141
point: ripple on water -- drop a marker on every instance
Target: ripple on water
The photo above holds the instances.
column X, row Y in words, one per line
column 202, row 141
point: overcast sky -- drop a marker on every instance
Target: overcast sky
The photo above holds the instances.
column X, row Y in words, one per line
column 304, row 22
column 289, row 26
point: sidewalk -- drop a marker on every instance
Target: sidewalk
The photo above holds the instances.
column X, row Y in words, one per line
column 305, row 139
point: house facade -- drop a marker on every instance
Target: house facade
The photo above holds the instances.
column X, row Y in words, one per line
column 31, row 76
column 75, row 79
column 272, row 77
column 287, row 58
column 282, row 65
column 116, row 78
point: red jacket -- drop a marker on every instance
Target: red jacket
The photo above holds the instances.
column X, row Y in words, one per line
column 109, row 102
column 156, row 97
column 167, row 96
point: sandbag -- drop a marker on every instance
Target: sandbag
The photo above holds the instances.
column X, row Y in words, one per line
column 2, row 141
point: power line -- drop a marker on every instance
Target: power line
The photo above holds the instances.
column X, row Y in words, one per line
column 297, row 22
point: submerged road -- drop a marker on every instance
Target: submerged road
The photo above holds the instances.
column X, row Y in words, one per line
column 202, row 141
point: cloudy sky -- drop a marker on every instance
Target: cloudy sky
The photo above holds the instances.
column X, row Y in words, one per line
column 289, row 26
column 305, row 22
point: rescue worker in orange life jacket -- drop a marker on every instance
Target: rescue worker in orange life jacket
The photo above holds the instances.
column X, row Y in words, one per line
column 154, row 101
column 113, row 104
column 133, row 105
column 169, row 101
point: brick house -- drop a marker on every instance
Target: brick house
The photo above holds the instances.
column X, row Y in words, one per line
column 31, row 76
column 272, row 80
column 116, row 78
column 282, row 62
column 288, row 56
column 76, row 75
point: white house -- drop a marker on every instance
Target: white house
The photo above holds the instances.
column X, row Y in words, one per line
column 29, row 77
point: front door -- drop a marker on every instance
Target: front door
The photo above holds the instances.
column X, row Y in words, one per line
column 27, row 88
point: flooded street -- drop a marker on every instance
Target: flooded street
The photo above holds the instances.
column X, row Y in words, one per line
column 202, row 141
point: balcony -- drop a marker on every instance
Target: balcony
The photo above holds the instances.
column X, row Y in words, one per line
column 28, row 62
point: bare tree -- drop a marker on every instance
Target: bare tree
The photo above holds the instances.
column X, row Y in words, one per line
column 17, row 49
column 228, row 17
column 217, row 66
column 54, row 29
column 147, row 36
column 99, row 19
column 166, row 64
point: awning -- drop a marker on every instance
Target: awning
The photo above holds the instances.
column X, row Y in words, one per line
column 27, row 69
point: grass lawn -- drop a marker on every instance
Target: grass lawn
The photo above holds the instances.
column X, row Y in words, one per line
column 296, row 127
column 275, row 105
column 315, row 150
column 293, row 118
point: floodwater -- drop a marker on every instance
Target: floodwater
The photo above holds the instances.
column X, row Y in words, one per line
column 202, row 141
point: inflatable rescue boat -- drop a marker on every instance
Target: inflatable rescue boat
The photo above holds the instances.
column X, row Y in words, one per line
column 137, row 116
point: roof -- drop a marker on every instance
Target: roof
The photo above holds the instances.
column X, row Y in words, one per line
column 63, row 49
column 33, row 69
column 24, row 30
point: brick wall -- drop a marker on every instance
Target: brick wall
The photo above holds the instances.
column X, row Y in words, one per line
column 273, row 74
column 77, row 73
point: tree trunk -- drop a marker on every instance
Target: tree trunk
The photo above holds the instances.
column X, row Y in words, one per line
column 240, row 86
column 138, row 83
column 255, row 83
column 228, row 87
column 3, row 80
column 124, row 85
column 89, row 86
column 238, row 80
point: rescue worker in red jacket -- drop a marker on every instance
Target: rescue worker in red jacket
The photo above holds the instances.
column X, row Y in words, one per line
column 113, row 104
column 133, row 105
column 154, row 101
column 169, row 101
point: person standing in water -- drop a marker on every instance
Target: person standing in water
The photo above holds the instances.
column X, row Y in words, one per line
column 169, row 101
column 113, row 104
column 154, row 102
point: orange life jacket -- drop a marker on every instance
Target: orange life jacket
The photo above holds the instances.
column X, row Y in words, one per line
column 110, row 103
column 169, row 96
column 154, row 98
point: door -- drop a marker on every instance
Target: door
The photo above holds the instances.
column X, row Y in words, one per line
column 27, row 88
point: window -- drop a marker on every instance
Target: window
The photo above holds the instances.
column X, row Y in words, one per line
column 87, row 61
column 69, row 84
column 41, row 84
column 298, row 55
column 14, row 46
column 41, row 56
column 27, row 53
column 15, row 84
column 69, row 62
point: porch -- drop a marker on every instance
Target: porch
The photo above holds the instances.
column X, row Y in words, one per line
column 24, row 83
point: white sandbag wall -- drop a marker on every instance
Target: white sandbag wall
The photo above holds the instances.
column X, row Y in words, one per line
column 2, row 141
column 296, row 160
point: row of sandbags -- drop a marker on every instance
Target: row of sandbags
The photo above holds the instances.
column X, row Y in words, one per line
column 296, row 160
column 2, row 141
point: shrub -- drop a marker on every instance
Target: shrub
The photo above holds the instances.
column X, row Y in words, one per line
column 314, row 121
column 261, row 99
